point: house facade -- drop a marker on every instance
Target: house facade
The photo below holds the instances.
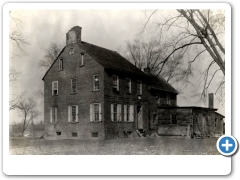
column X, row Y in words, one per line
column 93, row 92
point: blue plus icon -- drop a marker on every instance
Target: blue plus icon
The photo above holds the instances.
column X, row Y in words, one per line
column 227, row 145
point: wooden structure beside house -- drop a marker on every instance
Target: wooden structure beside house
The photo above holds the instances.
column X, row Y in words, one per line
column 93, row 92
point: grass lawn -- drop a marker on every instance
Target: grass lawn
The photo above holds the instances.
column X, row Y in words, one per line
column 127, row 146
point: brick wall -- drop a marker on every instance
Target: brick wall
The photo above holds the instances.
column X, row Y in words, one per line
column 83, row 98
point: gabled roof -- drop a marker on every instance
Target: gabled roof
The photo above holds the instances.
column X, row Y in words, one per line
column 109, row 58
column 113, row 60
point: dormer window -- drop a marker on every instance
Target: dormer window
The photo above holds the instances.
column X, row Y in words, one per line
column 81, row 59
column 115, row 82
column 71, row 51
column 61, row 64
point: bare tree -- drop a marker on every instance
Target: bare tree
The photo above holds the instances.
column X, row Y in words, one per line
column 27, row 107
column 150, row 55
column 16, row 36
column 51, row 53
column 200, row 33
column 17, row 42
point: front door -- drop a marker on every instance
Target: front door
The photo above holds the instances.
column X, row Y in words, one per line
column 139, row 117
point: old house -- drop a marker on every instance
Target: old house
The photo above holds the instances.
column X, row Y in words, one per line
column 93, row 92
column 191, row 121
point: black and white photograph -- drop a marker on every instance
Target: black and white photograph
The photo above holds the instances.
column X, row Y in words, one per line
column 116, row 82
column 95, row 81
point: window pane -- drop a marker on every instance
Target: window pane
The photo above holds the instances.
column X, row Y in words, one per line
column 96, row 112
column 115, row 112
column 115, row 80
column 74, row 113
column 96, row 82
column 128, row 112
column 74, row 85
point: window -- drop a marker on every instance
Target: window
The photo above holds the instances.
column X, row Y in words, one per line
column 139, row 88
column 95, row 112
column 155, row 118
column 53, row 115
column 116, row 112
column 94, row 134
column 73, row 114
column 74, row 134
column 73, row 85
column 129, row 85
column 173, row 119
column 168, row 99
column 81, row 59
column 209, row 120
column 128, row 113
column 55, row 88
column 71, row 51
column 96, row 84
column 61, row 64
column 115, row 82
column 158, row 100
column 215, row 123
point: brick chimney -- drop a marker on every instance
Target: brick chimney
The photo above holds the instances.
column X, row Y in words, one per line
column 210, row 100
column 74, row 35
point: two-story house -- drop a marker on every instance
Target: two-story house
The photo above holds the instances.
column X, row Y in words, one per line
column 90, row 91
column 93, row 92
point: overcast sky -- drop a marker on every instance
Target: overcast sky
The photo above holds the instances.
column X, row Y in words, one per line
column 106, row 28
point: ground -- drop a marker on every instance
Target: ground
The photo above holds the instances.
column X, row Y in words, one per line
column 128, row 146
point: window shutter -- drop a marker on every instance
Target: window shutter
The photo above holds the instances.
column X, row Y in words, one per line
column 125, row 112
column 56, row 113
column 76, row 113
column 52, row 88
column 119, row 112
column 100, row 112
column 130, row 84
column 57, row 86
column 111, row 112
column 117, row 83
column 91, row 112
column 141, row 88
column 69, row 113
column 131, row 113
column 51, row 115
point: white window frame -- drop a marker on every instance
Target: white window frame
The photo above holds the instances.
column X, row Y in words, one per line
column 53, row 115
column 54, row 88
column 61, row 64
column 128, row 115
column 129, row 85
column 72, row 90
column 140, row 87
column 94, row 85
column 92, row 112
column 81, row 60
column 115, row 84
column 118, row 113
column 70, row 117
